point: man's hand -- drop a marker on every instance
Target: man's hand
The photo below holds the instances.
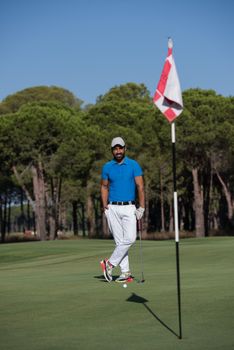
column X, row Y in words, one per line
column 139, row 213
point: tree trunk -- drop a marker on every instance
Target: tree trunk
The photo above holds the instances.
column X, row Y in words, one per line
column 50, row 220
column 182, row 217
column 227, row 195
column 214, row 204
column 9, row 216
column 39, row 193
column 29, row 198
column 90, row 217
column 97, row 221
column 57, row 202
column 83, row 219
column 74, row 217
column 28, row 216
column 20, row 182
column 53, row 199
column 215, row 220
column 3, row 220
column 198, row 203
column 62, row 217
column 207, row 198
column 22, row 216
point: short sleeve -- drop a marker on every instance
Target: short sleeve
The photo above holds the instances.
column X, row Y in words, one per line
column 105, row 172
column 137, row 169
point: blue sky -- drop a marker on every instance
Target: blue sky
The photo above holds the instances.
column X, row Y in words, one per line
column 89, row 46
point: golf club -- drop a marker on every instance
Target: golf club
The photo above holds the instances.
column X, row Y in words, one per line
column 139, row 229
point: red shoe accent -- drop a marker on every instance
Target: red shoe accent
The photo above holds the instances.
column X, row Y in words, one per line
column 102, row 264
column 129, row 279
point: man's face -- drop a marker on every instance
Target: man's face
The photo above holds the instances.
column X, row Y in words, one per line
column 118, row 153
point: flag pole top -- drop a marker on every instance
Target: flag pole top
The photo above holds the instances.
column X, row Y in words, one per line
column 170, row 43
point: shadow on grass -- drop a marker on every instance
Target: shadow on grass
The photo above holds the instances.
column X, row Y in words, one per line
column 102, row 278
column 138, row 299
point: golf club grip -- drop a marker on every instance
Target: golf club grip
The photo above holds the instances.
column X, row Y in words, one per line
column 139, row 225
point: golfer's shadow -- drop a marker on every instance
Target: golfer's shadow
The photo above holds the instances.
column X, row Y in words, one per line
column 102, row 278
column 138, row 299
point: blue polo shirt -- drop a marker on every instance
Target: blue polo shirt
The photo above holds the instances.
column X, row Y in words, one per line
column 121, row 179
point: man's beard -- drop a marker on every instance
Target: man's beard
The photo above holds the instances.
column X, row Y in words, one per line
column 119, row 156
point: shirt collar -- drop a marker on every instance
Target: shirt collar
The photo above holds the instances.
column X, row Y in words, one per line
column 125, row 161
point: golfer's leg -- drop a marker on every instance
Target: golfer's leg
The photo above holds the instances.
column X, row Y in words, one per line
column 124, row 264
column 115, row 227
column 129, row 228
column 127, row 238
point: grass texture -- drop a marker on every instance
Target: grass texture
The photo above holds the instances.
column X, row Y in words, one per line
column 52, row 296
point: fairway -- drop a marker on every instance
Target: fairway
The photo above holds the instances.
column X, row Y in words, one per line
column 53, row 296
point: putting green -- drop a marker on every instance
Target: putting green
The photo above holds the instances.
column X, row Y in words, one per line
column 52, row 296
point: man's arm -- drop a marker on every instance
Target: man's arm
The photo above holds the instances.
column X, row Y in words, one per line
column 140, row 190
column 104, row 193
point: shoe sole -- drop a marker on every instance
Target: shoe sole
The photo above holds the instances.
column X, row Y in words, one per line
column 103, row 267
column 128, row 280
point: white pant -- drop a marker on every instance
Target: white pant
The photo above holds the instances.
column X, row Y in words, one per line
column 122, row 224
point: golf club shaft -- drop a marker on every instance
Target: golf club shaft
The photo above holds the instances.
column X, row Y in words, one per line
column 139, row 226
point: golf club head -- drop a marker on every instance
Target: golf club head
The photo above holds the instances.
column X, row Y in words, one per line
column 141, row 281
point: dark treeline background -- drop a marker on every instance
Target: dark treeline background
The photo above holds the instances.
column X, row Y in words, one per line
column 52, row 151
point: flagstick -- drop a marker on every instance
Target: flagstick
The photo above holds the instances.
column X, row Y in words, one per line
column 176, row 225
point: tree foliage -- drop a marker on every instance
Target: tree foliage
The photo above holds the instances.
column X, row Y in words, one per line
column 54, row 151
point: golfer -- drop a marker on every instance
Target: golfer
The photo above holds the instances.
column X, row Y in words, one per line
column 121, row 177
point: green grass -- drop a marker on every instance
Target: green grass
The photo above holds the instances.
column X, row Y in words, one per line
column 52, row 297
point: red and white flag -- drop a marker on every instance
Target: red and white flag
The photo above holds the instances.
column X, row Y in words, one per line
column 168, row 97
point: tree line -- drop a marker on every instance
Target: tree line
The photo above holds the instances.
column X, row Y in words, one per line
column 53, row 148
